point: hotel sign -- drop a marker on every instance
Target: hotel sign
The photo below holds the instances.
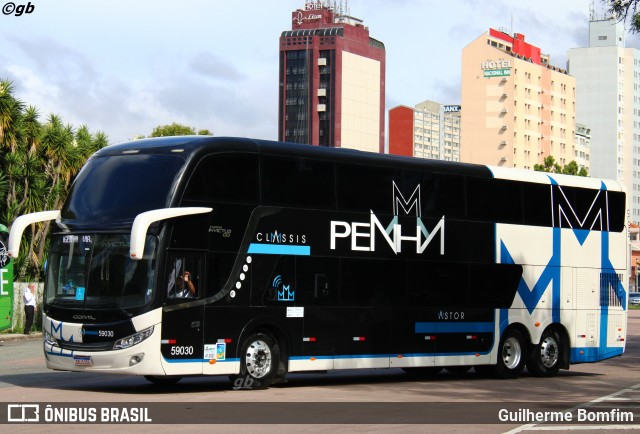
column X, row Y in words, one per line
column 313, row 12
column 314, row 6
column 496, row 68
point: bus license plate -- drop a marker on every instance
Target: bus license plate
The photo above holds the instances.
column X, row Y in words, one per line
column 83, row 360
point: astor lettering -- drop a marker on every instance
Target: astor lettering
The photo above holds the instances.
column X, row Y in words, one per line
column 447, row 316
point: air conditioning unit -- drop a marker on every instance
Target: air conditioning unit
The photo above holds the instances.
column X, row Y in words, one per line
column 322, row 92
column 322, row 61
column 322, row 107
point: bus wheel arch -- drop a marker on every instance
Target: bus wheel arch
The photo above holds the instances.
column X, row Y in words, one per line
column 551, row 354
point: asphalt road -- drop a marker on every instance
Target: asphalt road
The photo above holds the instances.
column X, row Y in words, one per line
column 353, row 401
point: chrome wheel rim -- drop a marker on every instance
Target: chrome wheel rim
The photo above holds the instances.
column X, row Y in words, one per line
column 549, row 352
column 258, row 359
column 511, row 353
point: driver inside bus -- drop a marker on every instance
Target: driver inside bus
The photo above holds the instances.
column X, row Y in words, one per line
column 185, row 288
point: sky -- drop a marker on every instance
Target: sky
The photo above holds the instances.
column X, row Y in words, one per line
column 124, row 67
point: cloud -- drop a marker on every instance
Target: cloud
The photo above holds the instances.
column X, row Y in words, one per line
column 211, row 66
column 207, row 93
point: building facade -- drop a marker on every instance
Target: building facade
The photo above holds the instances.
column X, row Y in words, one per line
column 518, row 108
column 583, row 147
column 608, row 101
column 430, row 130
column 332, row 81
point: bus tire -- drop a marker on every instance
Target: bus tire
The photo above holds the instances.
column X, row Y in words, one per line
column 162, row 380
column 512, row 355
column 259, row 361
column 544, row 359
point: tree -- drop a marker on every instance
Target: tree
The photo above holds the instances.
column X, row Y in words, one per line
column 625, row 10
column 38, row 162
column 550, row 166
column 571, row 168
column 176, row 129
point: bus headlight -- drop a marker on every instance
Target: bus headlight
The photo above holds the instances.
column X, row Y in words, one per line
column 132, row 340
column 48, row 338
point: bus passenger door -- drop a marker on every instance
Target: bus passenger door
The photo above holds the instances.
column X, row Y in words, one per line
column 317, row 280
column 183, row 322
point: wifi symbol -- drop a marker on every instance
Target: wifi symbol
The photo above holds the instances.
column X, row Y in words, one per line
column 277, row 281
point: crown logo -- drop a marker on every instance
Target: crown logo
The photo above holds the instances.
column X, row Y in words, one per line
column 285, row 293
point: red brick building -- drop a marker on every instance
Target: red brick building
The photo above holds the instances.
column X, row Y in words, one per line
column 332, row 81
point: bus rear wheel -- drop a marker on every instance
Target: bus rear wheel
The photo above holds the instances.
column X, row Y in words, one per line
column 259, row 360
column 512, row 355
column 544, row 360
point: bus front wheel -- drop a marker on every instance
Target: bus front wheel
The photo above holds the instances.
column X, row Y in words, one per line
column 544, row 360
column 259, row 360
column 512, row 355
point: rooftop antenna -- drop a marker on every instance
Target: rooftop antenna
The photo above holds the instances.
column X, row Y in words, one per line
column 511, row 30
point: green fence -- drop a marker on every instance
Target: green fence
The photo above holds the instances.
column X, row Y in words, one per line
column 6, row 296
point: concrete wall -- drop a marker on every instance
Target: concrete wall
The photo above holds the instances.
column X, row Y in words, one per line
column 18, row 307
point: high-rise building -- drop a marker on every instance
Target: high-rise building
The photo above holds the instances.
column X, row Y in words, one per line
column 518, row 108
column 608, row 101
column 583, row 147
column 332, row 76
column 430, row 130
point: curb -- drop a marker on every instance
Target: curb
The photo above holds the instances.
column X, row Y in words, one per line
column 8, row 337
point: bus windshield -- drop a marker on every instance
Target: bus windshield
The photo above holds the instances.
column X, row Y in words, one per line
column 94, row 271
column 128, row 185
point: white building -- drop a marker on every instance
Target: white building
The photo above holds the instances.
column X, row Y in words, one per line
column 583, row 147
column 430, row 130
column 607, row 100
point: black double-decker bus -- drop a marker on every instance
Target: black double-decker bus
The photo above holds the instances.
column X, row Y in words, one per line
column 224, row 256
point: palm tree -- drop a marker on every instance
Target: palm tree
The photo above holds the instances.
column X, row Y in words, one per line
column 37, row 165
column 11, row 111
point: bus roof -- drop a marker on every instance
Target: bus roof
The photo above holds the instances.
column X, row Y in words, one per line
column 197, row 146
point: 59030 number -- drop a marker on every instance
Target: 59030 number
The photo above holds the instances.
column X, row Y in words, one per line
column 181, row 351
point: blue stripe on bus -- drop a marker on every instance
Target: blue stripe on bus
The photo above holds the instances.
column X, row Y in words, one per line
column 197, row 360
column 279, row 249
column 593, row 354
column 455, row 327
column 391, row 356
